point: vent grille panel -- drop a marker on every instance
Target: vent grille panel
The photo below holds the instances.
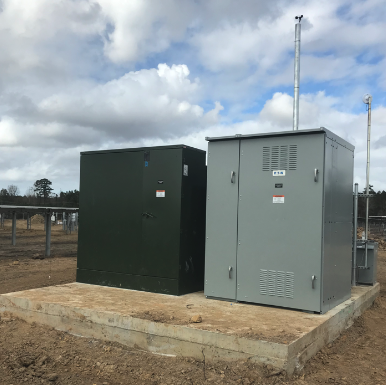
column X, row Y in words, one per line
column 283, row 158
column 271, row 282
column 293, row 157
column 263, row 281
column 277, row 283
column 280, row 157
column 275, row 155
column 289, row 287
column 266, row 158
column 280, row 284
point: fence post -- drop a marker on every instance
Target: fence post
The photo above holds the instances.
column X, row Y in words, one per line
column 14, row 228
column 76, row 222
column 69, row 225
column 48, row 234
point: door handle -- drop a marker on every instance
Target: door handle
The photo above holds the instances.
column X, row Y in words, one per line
column 233, row 174
column 230, row 269
column 316, row 175
column 148, row 215
column 313, row 279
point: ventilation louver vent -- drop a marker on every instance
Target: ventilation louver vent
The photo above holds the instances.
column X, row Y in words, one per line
column 280, row 157
column 280, row 285
column 266, row 158
column 271, row 282
column 263, row 281
column 277, row 283
column 293, row 157
column 275, row 154
column 289, row 285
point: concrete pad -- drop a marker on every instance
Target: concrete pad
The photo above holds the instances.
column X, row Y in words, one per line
column 161, row 324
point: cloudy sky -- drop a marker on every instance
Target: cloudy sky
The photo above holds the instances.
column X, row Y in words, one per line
column 79, row 75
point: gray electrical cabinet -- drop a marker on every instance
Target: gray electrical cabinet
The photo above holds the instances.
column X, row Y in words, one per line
column 279, row 219
column 367, row 275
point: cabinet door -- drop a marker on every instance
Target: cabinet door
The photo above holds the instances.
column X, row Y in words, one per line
column 221, row 219
column 110, row 212
column 162, row 174
column 337, row 257
column 280, row 221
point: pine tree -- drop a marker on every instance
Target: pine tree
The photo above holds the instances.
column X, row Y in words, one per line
column 42, row 188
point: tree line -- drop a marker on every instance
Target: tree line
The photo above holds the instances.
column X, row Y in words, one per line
column 40, row 194
column 377, row 203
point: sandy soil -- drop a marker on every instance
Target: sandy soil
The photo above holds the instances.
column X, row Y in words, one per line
column 32, row 354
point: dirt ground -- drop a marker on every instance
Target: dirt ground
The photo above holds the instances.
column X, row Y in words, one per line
column 18, row 269
column 33, row 354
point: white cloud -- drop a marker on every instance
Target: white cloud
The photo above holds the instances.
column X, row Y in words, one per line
column 261, row 49
column 7, row 132
column 83, row 74
column 239, row 45
column 153, row 103
column 38, row 37
column 139, row 27
column 146, row 103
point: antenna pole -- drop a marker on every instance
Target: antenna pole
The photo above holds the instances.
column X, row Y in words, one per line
column 355, row 235
column 297, row 73
column 367, row 175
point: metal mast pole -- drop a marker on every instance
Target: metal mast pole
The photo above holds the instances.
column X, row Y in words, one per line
column 354, row 259
column 369, row 99
column 297, row 73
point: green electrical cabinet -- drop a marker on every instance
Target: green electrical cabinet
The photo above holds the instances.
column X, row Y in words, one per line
column 142, row 219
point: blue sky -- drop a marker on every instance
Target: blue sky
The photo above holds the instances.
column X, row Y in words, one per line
column 79, row 75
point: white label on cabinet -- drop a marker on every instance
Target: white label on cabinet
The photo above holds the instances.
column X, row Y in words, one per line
column 278, row 199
